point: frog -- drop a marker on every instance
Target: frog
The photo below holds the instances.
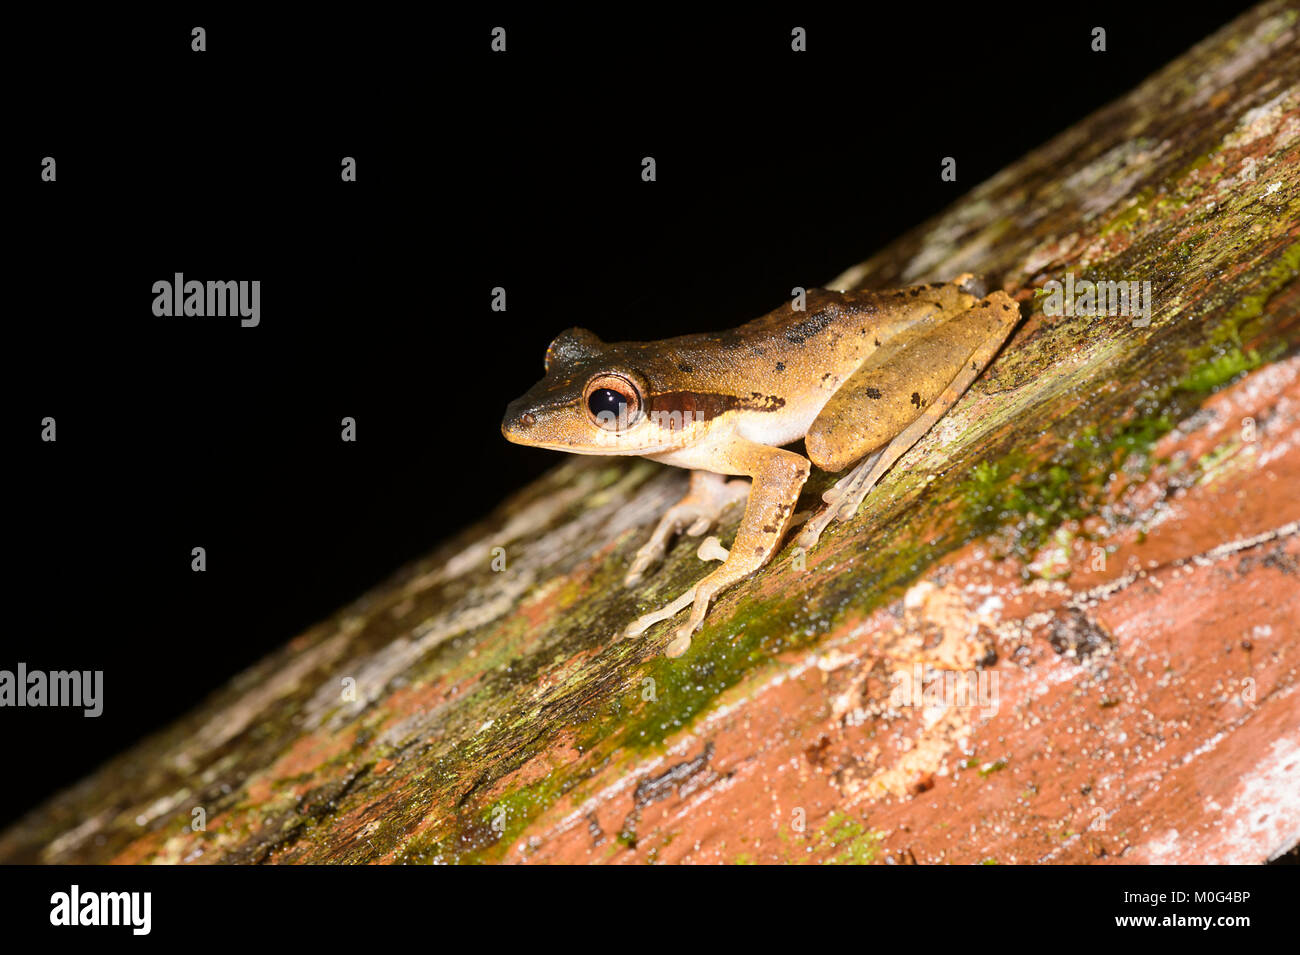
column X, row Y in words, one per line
column 858, row 376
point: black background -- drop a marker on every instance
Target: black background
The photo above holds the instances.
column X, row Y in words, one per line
column 475, row 170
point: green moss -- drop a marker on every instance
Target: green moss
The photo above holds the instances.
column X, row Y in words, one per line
column 988, row 769
column 859, row 845
column 1243, row 313
column 484, row 835
column 1035, row 498
column 1219, row 370
column 1209, row 462
column 1136, row 210
column 721, row 655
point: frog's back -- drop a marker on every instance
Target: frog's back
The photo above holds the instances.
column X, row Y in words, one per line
column 817, row 346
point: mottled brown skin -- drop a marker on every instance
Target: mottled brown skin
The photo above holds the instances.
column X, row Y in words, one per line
column 852, row 373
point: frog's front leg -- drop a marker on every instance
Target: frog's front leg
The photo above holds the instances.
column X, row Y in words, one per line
column 778, row 477
column 699, row 510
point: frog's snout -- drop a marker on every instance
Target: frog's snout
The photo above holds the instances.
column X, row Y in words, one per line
column 517, row 421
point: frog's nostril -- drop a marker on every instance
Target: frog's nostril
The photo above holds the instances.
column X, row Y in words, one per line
column 527, row 418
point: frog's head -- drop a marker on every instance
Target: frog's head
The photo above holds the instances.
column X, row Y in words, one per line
column 593, row 400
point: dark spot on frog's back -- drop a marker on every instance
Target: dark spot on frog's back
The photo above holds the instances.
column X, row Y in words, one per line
column 799, row 333
column 916, row 399
column 685, row 367
column 780, row 366
column 873, row 392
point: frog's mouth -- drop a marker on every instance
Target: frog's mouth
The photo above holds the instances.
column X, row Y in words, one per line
column 527, row 426
column 571, row 445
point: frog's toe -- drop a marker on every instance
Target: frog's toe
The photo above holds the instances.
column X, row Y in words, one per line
column 681, row 641
column 646, row 557
column 702, row 524
column 711, row 549
column 652, row 551
column 680, row 644
column 813, row 528
column 644, row 622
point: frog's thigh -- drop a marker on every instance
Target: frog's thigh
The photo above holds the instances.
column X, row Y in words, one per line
column 880, row 399
column 987, row 326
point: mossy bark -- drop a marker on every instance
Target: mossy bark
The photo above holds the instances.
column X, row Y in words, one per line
column 447, row 714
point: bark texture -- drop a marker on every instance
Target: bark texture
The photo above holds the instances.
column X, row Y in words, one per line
column 1100, row 540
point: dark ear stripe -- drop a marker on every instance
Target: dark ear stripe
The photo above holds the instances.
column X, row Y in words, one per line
column 695, row 405
column 570, row 346
column 705, row 406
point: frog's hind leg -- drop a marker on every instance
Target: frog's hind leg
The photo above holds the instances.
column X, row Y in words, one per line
column 694, row 514
column 836, row 497
column 952, row 355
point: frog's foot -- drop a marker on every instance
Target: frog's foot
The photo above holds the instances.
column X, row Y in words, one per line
column 841, row 501
column 643, row 623
column 698, row 597
column 699, row 510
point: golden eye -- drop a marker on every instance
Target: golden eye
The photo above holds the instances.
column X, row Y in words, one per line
column 613, row 402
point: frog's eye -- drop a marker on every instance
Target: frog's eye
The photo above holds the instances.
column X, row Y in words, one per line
column 613, row 402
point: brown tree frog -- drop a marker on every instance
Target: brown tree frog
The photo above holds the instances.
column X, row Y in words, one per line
column 860, row 376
